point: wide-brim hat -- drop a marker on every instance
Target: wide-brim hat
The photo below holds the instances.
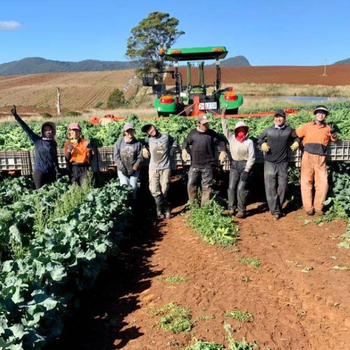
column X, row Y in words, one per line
column 241, row 125
column 321, row 108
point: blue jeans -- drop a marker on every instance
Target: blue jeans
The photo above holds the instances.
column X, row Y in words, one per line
column 129, row 181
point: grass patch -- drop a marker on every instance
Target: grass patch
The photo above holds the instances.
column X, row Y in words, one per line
column 253, row 262
column 212, row 225
column 240, row 316
column 173, row 279
column 205, row 317
column 204, row 345
column 174, row 318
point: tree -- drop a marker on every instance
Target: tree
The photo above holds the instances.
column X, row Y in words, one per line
column 156, row 31
column 116, row 99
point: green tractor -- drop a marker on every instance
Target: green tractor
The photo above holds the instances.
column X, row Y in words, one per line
column 194, row 99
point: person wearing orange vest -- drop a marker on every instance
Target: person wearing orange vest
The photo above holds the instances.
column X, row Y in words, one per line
column 315, row 138
column 78, row 155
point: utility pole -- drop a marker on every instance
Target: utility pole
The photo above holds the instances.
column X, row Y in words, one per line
column 58, row 103
column 325, row 68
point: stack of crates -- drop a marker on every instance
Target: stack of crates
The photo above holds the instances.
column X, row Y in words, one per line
column 16, row 161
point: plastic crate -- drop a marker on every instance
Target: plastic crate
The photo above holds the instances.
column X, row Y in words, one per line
column 60, row 155
column 16, row 161
column 339, row 151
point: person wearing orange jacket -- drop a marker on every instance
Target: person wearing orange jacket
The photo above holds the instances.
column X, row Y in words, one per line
column 78, row 155
column 315, row 137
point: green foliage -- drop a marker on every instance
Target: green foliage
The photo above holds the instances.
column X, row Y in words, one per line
column 203, row 345
column 210, row 223
column 158, row 30
column 46, row 115
column 173, row 279
column 253, row 262
column 174, row 318
column 235, row 345
column 11, row 189
column 98, row 104
column 240, row 316
column 116, row 99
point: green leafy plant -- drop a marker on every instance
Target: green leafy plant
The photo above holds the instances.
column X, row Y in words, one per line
column 253, row 262
column 173, row 279
column 240, row 316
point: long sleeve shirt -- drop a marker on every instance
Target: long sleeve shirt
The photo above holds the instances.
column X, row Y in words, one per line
column 239, row 150
column 315, row 137
column 45, row 151
column 127, row 154
column 159, row 148
column 278, row 139
column 203, row 147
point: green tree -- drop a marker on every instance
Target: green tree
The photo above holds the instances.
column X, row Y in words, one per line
column 158, row 30
column 116, row 99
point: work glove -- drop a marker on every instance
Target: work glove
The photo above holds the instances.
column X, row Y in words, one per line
column 70, row 148
column 14, row 111
column 145, row 153
column 135, row 167
column 294, row 146
column 265, row 147
column 184, row 155
column 222, row 157
column 244, row 176
column 131, row 172
column 172, row 151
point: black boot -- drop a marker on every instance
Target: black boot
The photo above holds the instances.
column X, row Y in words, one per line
column 159, row 212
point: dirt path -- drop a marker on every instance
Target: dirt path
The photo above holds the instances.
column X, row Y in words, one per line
column 298, row 301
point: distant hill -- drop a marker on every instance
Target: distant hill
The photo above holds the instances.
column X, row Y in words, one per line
column 346, row 61
column 35, row 65
column 237, row 61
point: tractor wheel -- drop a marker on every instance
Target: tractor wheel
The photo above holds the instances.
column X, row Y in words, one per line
column 232, row 111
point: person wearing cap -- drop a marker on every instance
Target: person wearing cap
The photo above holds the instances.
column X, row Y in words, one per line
column 274, row 142
column 128, row 157
column 78, row 153
column 243, row 158
column 202, row 141
column 45, row 151
column 315, row 137
column 160, row 148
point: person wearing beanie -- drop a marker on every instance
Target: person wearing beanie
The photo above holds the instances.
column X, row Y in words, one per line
column 160, row 148
column 200, row 144
column 274, row 142
column 128, row 158
column 78, row 153
column 315, row 137
column 243, row 158
column 45, row 151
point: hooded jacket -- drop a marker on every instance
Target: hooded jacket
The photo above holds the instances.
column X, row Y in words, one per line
column 240, row 151
column 45, row 151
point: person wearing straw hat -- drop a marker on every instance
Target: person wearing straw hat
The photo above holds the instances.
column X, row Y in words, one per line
column 45, row 151
column 78, row 154
column 160, row 148
column 274, row 142
column 128, row 158
column 315, row 136
column 243, row 158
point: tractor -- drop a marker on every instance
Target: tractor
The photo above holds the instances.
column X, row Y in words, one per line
column 192, row 100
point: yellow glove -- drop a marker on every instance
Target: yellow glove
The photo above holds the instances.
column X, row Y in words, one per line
column 294, row 146
column 184, row 155
column 145, row 153
column 265, row 147
column 222, row 157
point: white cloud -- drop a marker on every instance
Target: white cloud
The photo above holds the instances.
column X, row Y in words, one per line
column 9, row 25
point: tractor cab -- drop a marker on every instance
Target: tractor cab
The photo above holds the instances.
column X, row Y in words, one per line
column 194, row 99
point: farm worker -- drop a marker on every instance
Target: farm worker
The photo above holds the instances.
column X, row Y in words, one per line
column 45, row 151
column 202, row 141
column 128, row 157
column 274, row 142
column 315, row 137
column 160, row 148
column 78, row 155
column 243, row 158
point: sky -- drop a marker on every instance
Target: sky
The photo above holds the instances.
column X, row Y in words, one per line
column 298, row 32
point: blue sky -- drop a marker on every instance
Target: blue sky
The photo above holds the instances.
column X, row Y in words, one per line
column 297, row 32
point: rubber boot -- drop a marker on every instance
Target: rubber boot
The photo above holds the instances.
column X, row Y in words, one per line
column 192, row 194
column 206, row 191
column 167, row 210
column 159, row 212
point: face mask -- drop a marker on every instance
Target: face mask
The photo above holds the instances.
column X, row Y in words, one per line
column 240, row 135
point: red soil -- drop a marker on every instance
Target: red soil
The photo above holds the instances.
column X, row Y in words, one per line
column 292, row 309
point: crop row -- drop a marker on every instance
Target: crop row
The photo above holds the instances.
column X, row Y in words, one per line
column 50, row 253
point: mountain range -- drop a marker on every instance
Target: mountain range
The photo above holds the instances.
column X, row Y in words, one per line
column 36, row 65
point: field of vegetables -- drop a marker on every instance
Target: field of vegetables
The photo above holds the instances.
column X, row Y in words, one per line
column 53, row 242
